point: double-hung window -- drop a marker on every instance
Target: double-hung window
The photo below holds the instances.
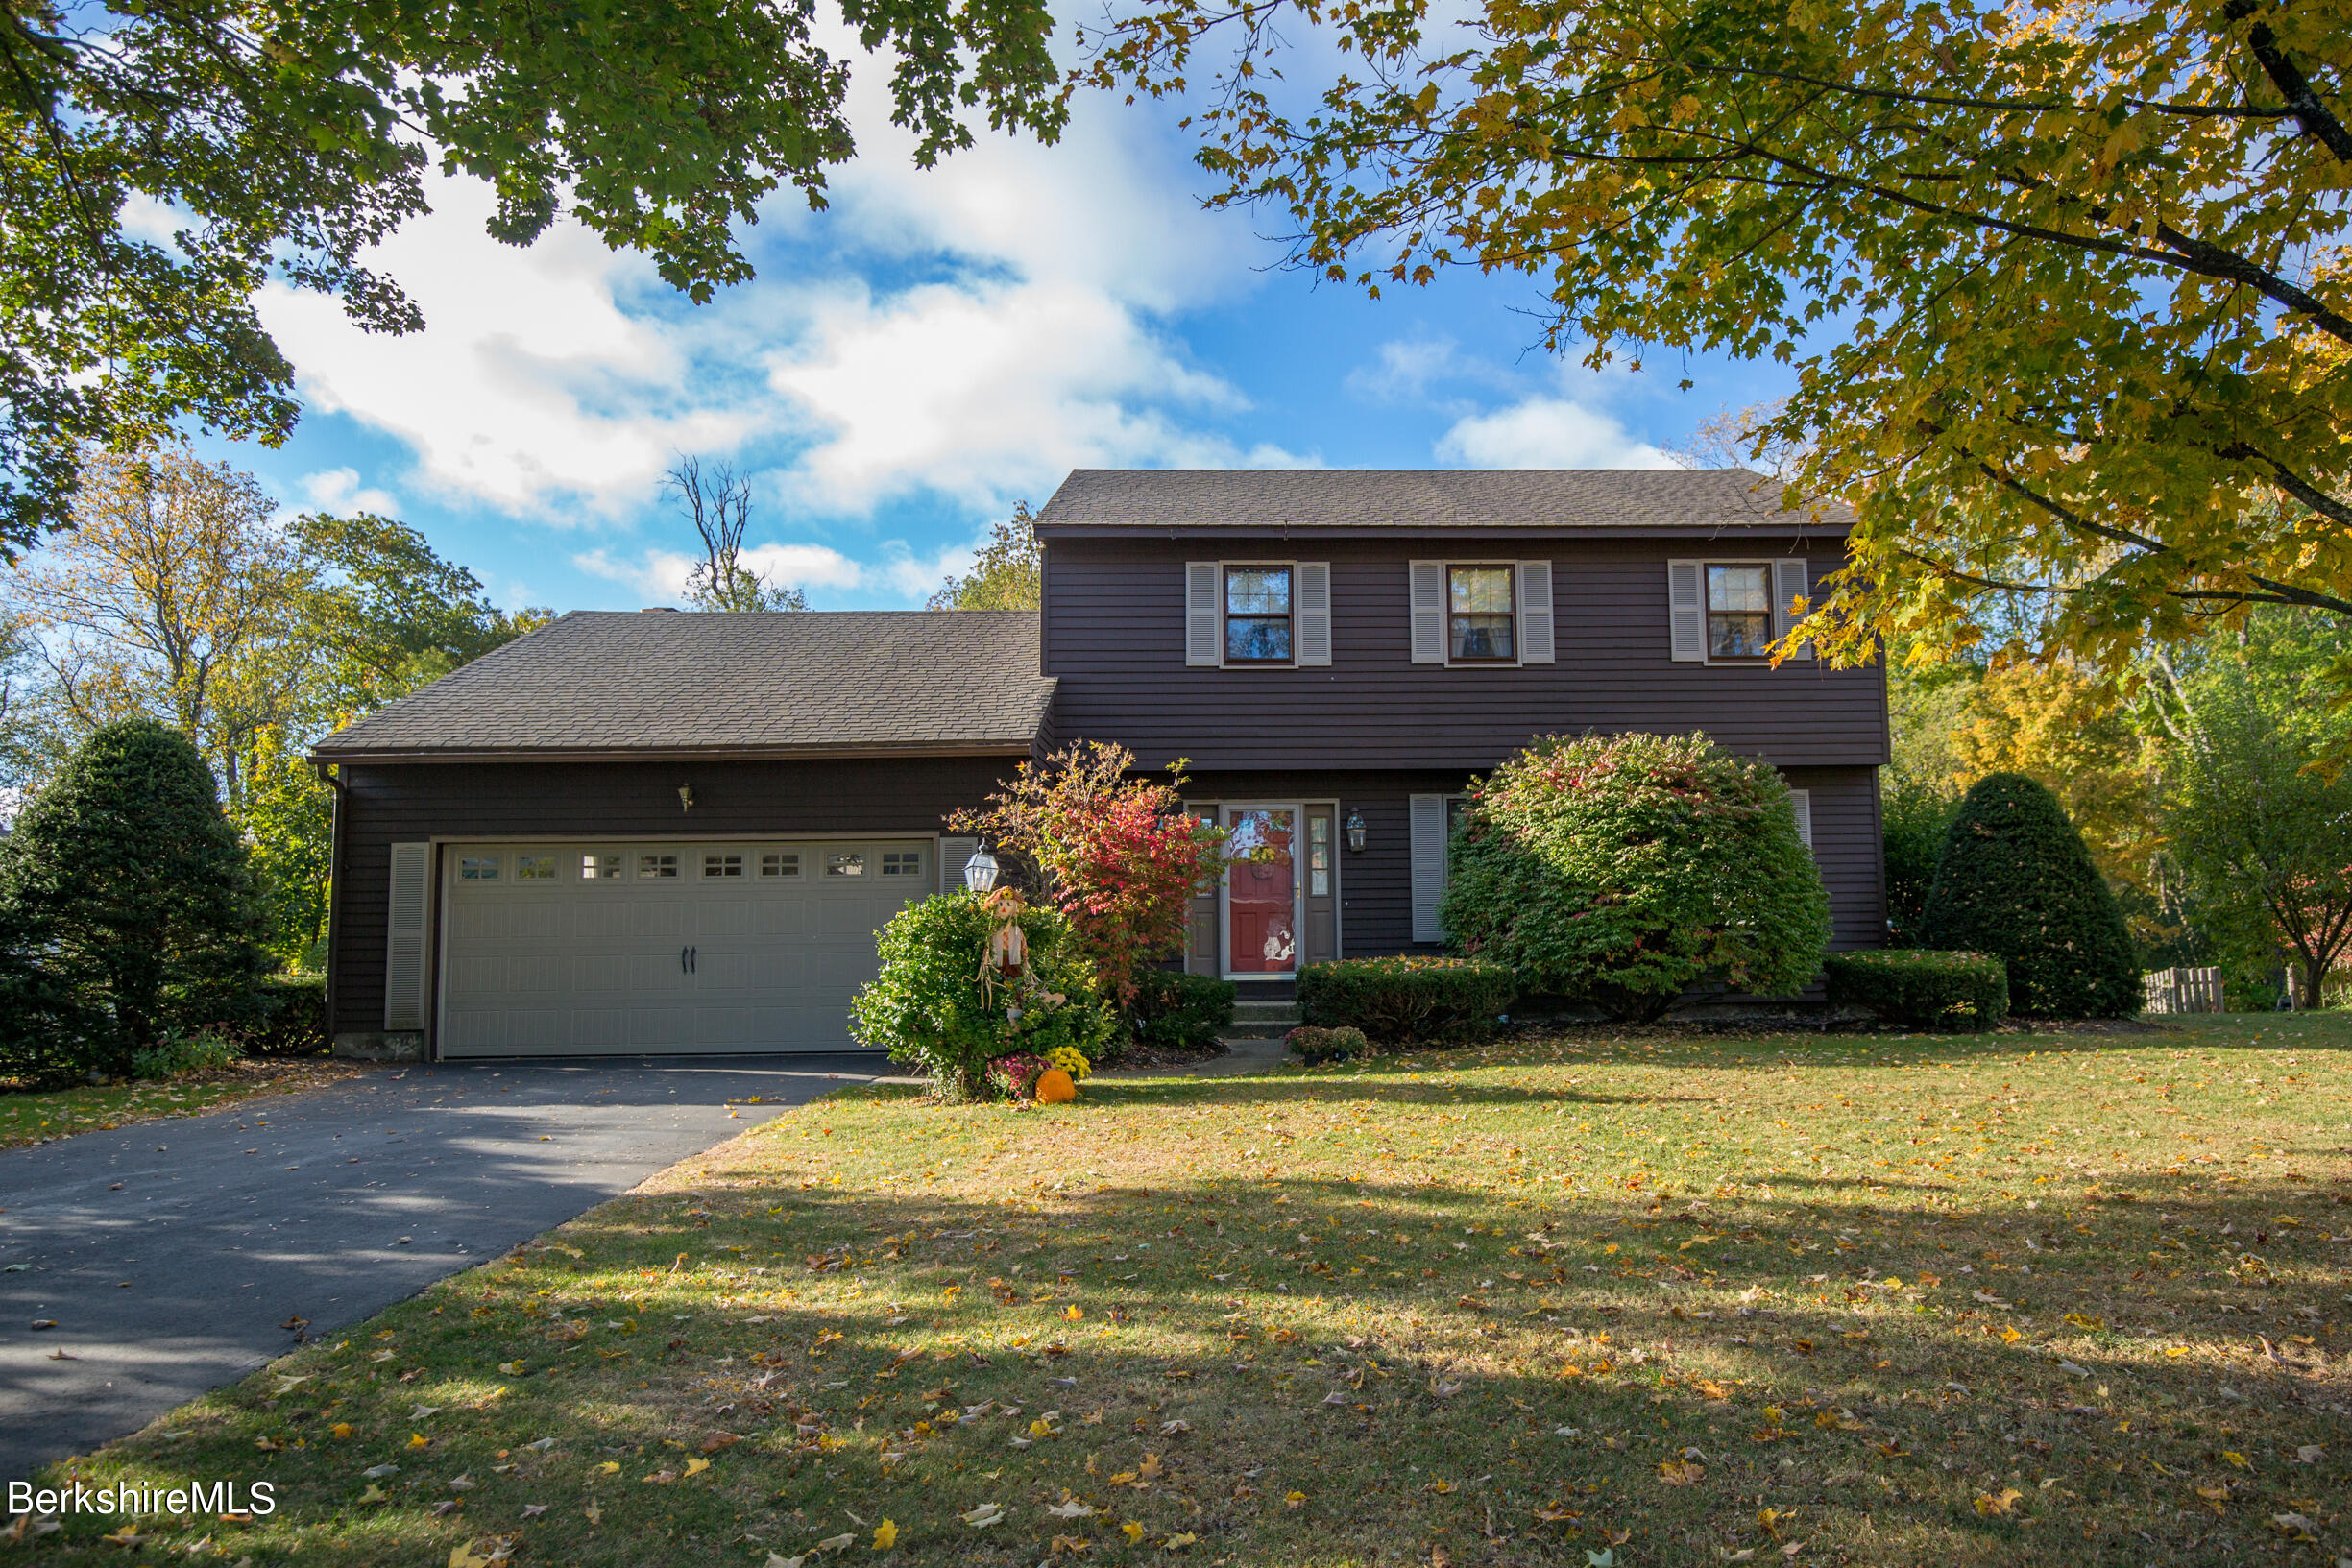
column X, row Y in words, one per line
column 1481, row 615
column 1257, row 615
column 1738, row 611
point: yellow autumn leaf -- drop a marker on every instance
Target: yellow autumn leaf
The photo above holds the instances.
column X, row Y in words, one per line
column 465, row 1557
column 418, row 1440
column 1295, row 1499
column 1073, row 1313
column 513, row 1369
column 341, row 1429
column 1132, row 1531
column 1148, row 1470
column 886, row 1535
column 695, row 1467
column 375, row 1494
column 2001, row 1505
column 610, row 1467
column 1176, row 1542
column 2237, row 1458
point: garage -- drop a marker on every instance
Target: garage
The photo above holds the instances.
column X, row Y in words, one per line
column 664, row 947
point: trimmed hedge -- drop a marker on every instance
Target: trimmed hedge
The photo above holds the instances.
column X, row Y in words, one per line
column 1184, row 1012
column 1438, row 1001
column 1316, row 1047
column 293, row 1021
column 2015, row 881
column 1927, row 990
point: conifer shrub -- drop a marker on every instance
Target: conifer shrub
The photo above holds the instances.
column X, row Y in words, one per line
column 1184, row 1012
column 131, row 896
column 2015, row 881
column 1623, row 870
column 1316, row 1047
column 1923, row 989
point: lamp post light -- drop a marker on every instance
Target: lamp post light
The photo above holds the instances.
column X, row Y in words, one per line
column 1355, row 831
column 979, row 872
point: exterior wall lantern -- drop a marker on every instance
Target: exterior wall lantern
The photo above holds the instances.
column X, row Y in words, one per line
column 686, row 797
column 1355, row 829
column 980, row 871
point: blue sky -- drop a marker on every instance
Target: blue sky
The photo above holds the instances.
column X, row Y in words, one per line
column 908, row 365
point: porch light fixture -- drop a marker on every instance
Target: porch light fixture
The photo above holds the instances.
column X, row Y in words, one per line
column 1355, row 831
column 686, row 797
column 980, row 871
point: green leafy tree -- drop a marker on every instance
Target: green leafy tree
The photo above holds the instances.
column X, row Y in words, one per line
column 126, row 872
column 1627, row 869
column 2061, row 290
column 1007, row 574
column 2259, row 825
column 2016, row 880
column 285, row 141
column 287, row 820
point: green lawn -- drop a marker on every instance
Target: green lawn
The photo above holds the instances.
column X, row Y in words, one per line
column 27, row 1118
column 1629, row 1297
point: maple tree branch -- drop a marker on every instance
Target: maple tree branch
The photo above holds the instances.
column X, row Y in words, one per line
column 2302, row 102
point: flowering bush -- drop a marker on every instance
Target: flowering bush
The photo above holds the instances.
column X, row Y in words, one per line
column 1016, row 1075
column 1071, row 1061
column 932, row 1009
column 1623, row 869
column 1119, row 857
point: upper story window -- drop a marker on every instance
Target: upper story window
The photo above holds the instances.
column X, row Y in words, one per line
column 1480, row 614
column 1738, row 611
column 1257, row 615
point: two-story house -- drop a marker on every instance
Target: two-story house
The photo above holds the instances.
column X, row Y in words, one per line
column 658, row 831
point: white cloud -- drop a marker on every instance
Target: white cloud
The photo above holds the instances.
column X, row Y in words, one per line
column 339, row 490
column 1403, row 368
column 664, row 574
column 1546, row 432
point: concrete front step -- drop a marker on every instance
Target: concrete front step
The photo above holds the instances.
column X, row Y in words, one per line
column 1263, row 1020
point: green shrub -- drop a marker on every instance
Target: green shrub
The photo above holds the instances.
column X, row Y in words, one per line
column 1316, row 1047
column 1912, row 823
column 1622, row 870
column 177, row 1053
column 1923, row 989
column 1438, row 1001
column 134, row 892
column 49, row 1033
column 926, row 1006
column 291, row 1017
column 2015, row 881
column 1182, row 1012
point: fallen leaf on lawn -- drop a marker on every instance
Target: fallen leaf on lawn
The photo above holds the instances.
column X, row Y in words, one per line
column 986, row 1514
column 595, row 1513
column 2310, row 1453
column 375, row 1494
column 835, row 1543
column 775, row 1561
column 1169, row 1429
column 532, row 1511
column 27, row 1528
column 1132, row 1531
column 513, row 1369
column 1293, row 1500
column 463, row 1484
column 1679, row 1472
column 287, row 1384
column 1989, row 1299
column 610, row 1467
column 2001, row 1505
column 717, row 1441
column 418, row 1440
column 1073, row 1313
column 2073, row 1369
column 1072, row 1508
column 341, row 1429
column 2237, row 1458
column 1177, row 1542
column 129, row 1535
column 465, row 1557
column 2296, row 1525
column 695, row 1467
column 659, row 1478
column 377, row 1472
column 886, row 1535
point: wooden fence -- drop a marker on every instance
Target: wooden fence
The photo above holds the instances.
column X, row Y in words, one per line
column 2183, row 991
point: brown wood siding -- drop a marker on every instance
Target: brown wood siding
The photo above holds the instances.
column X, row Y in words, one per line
column 1376, row 882
column 1113, row 633
column 384, row 805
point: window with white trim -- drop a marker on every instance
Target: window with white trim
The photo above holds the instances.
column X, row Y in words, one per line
column 1739, row 612
column 1481, row 615
column 902, row 863
column 845, row 864
column 1257, row 615
column 778, row 863
column 534, row 868
column 657, row 867
column 600, row 868
column 478, row 868
column 722, row 864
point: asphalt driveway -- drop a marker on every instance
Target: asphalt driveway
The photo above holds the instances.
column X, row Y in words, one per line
column 170, row 1254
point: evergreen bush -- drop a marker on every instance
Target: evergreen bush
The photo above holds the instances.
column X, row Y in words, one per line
column 929, row 1009
column 2015, row 881
column 1182, row 1012
column 1623, row 870
column 290, row 1017
column 1436, row 1001
column 1315, row 1047
column 1923, row 989
column 133, row 893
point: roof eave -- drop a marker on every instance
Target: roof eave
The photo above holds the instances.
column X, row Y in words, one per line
column 1004, row 746
column 1794, row 522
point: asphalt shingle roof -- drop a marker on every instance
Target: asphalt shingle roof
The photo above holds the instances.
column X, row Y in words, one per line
column 924, row 682
column 1700, row 499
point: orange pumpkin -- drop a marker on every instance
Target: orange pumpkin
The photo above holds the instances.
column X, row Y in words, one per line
column 1055, row 1088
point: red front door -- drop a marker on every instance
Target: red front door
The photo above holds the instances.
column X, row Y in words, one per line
column 1262, row 891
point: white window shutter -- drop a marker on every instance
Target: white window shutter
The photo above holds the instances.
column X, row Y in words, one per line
column 1790, row 582
column 1803, row 801
column 1687, row 608
column 1428, row 612
column 1428, row 832
column 1201, row 641
column 1534, row 579
column 404, row 945
column 952, row 853
column 1314, row 587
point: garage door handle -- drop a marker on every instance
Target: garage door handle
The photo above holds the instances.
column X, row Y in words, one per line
column 682, row 961
column 694, row 960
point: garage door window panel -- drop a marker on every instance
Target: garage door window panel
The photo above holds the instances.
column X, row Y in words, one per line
column 721, row 866
column 654, row 868
column 847, row 864
column 600, row 868
column 478, row 868
column 780, row 863
column 534, row 868
column 902, row 863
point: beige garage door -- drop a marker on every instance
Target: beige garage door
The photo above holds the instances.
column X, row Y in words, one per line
column 552, row 950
